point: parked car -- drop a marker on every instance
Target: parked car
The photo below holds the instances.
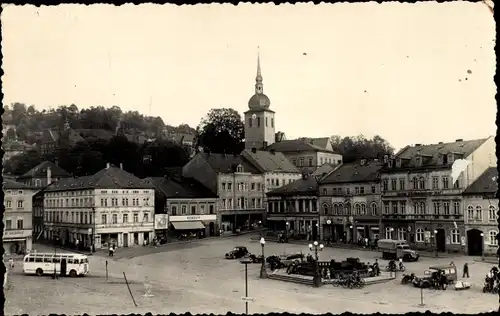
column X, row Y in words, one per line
column 289, row 259
column 431, row 277
column 255, row 259
column 237, row 252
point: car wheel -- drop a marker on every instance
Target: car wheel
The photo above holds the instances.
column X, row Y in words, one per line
column 39, row 272
column 72, row 273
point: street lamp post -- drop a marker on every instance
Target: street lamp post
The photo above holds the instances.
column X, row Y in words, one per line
column 286, row 230
column 263, row 272
column 56, row 237
column 315, row 246
column 329, row 223
column 482, row 247
column 351, row 232
column 93, row 230
column 435, row 243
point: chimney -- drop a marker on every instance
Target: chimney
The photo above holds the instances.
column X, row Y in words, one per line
column 459, row 140
column 254, row 150
column 273, row 151
column 107, row 165
column 418, row 145
column 121, row 165
column 49, row 175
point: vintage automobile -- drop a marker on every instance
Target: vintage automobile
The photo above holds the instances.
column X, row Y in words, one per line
column 254, row 258
column 289, row 259
column 237, row 252
column 429, row 279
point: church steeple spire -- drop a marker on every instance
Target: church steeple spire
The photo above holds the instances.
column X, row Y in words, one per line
column 259, row 87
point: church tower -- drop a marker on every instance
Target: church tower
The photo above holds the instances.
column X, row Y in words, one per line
column 259, row 119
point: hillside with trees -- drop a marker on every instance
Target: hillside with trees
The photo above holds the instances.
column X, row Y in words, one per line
column 357, row 147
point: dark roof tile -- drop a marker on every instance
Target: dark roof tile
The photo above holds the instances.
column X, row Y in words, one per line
column 185, row 188
column 486, row 183
column 270, row 162
column 40, row 171
column 13, row 185
column 301, row 144
column 304, row 186
column 354, row 172
column 224, row 163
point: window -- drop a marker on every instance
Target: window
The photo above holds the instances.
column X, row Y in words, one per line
column 310, row 162
column 421, row 183
column 211, row 209
column 357, row 209
column 402, row 184
column 301, row 163
column 272, row 122
column 266, row 121
column 20, row 204
column 363, row 209
column 229, row 186
column 479, row 213
column 202, row 209
column 136, row 217
column 401, row 234
column 446, row 183
column 492, row 211
column 455, row 236
column 456, row 185
column 446, row 208
column 258, row 122
column 145, row 217
column 250, row 122
column 415, row 183
column 356, row 189
column 20, row 224
column 325, row 209
column 183, row 209
column 493, row 237
column 419, row 235
column 325, row 192
column 193, row 209
column 385, row 185
column 335, row 209
column 373, row 208
column 402, row 207
column 114, row 218
column 388, row 233
column 103, row 219
column 340, row 208
column 347, row 209
column 294, row 161
column 174, row 210
column 387, row 208
column 394, row 207
column 437, row 206
column 394, row 185
column 125, row 218
column 456, row 208
column 373, row 189
column 8, row 204
column 239, row 169
column 361, row 190
column 435, row 183
column 223, row 186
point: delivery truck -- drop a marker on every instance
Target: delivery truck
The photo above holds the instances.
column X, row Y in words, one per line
column 395, row 249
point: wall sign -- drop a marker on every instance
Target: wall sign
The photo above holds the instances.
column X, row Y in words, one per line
column 187, row 218
column 16, row 233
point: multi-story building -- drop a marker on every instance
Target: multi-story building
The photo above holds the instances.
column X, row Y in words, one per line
column 188, row 206
column 52, row 140
column 481, row 215
column 14, row 148
column 238, row 184
column 275, row 167
column 293, row 208
column 308, row 154
column 17, row 219
column 109, row 207
column 349, row 199
column 422, row 204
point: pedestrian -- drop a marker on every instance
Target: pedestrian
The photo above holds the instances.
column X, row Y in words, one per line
column 11, row 263
column 466, row 270
column 77, row 242
column 111, row 250
column 401, row 264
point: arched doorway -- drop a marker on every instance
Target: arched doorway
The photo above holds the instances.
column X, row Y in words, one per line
column 474, row 242
column 440, row 240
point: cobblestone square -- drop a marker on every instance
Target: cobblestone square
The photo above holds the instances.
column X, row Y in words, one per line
column 195, row 277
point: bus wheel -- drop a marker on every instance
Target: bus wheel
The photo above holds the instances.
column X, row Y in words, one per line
column 39, row 272
column 72, row 273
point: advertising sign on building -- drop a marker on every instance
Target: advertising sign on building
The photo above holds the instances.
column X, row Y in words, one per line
column 161, row 221
column 187, row 218
column 16, row 233
column 427, row 236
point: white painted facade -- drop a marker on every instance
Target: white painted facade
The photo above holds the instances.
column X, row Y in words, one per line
column 17, row 220
column 275, row 180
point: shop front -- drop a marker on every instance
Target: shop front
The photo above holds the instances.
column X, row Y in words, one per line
column 200, row 225
column 366, row 229
column 17, row 241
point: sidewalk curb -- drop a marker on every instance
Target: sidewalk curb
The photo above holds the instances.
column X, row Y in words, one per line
column 490, row 260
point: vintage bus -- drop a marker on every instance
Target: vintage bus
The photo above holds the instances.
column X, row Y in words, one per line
column 64, row 264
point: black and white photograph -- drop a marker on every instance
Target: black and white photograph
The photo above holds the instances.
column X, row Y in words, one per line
column 250, row 158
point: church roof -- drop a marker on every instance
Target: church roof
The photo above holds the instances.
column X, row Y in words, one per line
column 486, row 183
column 259, row 101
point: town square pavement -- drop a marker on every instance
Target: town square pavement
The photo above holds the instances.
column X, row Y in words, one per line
column 195, row 277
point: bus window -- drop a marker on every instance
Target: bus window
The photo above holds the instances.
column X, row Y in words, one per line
column 39, row 259
column 31, row 259
column 47, row 259
column 70, row 261
column 26, row 259
column 56, row 260
column 84, row 261
column 76, row 261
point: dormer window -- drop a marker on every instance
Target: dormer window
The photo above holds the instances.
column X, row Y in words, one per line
column 450, row 158
column 389, row 163
column 398, row 162
column 440, row 159
column 239, row 169
column 418, row 161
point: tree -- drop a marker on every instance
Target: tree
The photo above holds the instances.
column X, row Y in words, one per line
column 222, row 131
column 354, row 148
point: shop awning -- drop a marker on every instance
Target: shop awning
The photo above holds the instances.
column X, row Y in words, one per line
column 374, row 228
column 188, row 225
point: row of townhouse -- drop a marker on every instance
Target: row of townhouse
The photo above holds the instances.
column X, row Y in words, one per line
column 415, row 195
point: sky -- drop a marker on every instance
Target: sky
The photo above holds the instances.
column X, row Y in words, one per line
column 412, row 73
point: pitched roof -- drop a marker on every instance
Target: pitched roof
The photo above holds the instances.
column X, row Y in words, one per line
column 224, row 163
column 184, row 137
column 270, row 162
column 301, row 144
column 354, row 172
column 486, row 183
column 186, row 188
column 431, row 153
column 10, row 184
column 108, row 178
column 304, row 186
column 40, row 171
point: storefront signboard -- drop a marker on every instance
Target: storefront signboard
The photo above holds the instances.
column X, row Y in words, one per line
column 187, row 218
column 16, row 233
